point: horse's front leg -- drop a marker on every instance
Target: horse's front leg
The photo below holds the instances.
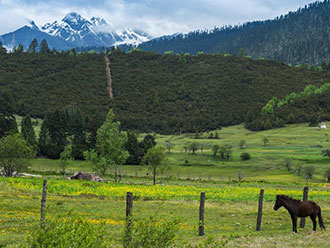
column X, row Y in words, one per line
column 294, row 223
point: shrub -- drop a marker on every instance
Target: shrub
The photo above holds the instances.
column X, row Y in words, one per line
column 151, row 232
column 245, row 156
column 265, row 140
column 242, row 144
column 298, row 169
column 288, row 164
column 69, row 232
column 309, row 171
column 210, row 242
column 327, row 174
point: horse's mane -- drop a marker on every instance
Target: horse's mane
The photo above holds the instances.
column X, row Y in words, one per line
column 285, row 197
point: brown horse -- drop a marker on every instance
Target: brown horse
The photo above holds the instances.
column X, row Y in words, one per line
column 297, row 208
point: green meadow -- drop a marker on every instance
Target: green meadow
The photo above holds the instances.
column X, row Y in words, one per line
column 298, row 142
column 230, row 211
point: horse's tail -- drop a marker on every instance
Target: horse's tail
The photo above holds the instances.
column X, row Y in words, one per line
column 321, row 219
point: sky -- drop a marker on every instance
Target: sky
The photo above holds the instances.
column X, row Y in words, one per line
column 156, row 17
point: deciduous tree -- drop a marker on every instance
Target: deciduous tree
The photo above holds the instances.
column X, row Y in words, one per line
column 154, row 160
column 110, row 147
column 14, row 154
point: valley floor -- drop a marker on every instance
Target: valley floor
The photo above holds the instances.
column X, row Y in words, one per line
column 230, row 211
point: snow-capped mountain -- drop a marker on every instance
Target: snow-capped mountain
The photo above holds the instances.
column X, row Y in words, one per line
column 74, row 31
column 79, row 31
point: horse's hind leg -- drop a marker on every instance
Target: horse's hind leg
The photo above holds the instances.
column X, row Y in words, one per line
column 313, row 218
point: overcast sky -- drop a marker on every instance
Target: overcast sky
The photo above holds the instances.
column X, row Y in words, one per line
column 156, row 17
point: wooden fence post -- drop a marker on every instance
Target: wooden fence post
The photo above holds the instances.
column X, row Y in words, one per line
column 201, row 214
column 43, row 203
column 261, row 198
column 129, row 206
column 305, row 197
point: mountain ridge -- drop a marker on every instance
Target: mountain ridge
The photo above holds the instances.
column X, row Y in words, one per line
column 73, row 31
column 295, row 38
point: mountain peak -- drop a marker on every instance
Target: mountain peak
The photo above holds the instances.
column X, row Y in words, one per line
column 32, row 25
column 72, row 16
column 98, row 21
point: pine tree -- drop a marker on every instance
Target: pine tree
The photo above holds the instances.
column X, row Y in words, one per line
column 2, row 49
column 136, row 153
column 7, row 119
column 33, row 46
column 19, row 49
column 43, row 48
column 53, row 134
column 28, row 131
column 44, row 137
column 77, row 130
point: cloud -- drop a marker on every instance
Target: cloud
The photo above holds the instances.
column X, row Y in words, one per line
column 156, row 17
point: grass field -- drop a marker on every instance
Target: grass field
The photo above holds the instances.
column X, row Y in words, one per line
column 230, row 209
column 300, row 143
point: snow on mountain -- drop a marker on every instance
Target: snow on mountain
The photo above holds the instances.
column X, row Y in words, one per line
column 132, row 37
column 80, row 32
column 73, row 31
column 32, row 25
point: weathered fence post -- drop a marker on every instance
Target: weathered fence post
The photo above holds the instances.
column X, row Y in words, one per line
column 43, row 203
column 261, row 199
column 201, row 214
column 305, row 197
column 129, row 206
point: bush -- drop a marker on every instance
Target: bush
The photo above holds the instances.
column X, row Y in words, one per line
column 151, row 232
column 245, row 156
column 69, row 232
column 327, row 174
column 288, row 164
column 298, row 170
column 309, row 171
column 210, row 242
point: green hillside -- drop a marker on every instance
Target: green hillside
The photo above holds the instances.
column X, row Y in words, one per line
column 152, row 93
column 173, row 93
column 41, row 82
column 310, row 105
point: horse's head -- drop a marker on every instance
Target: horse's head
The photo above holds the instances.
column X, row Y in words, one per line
column 278, row 203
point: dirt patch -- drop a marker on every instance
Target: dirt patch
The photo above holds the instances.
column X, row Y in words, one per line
column 109, row 80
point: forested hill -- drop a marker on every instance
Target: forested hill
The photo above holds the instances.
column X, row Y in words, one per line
column 151, row 92
column 298, row 37
column 169, row 93
column 41, row 82
column 310, row 105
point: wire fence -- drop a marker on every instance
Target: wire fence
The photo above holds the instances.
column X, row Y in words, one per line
column 21, row 211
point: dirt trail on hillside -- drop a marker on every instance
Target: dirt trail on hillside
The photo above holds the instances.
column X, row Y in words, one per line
column 109, row 87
